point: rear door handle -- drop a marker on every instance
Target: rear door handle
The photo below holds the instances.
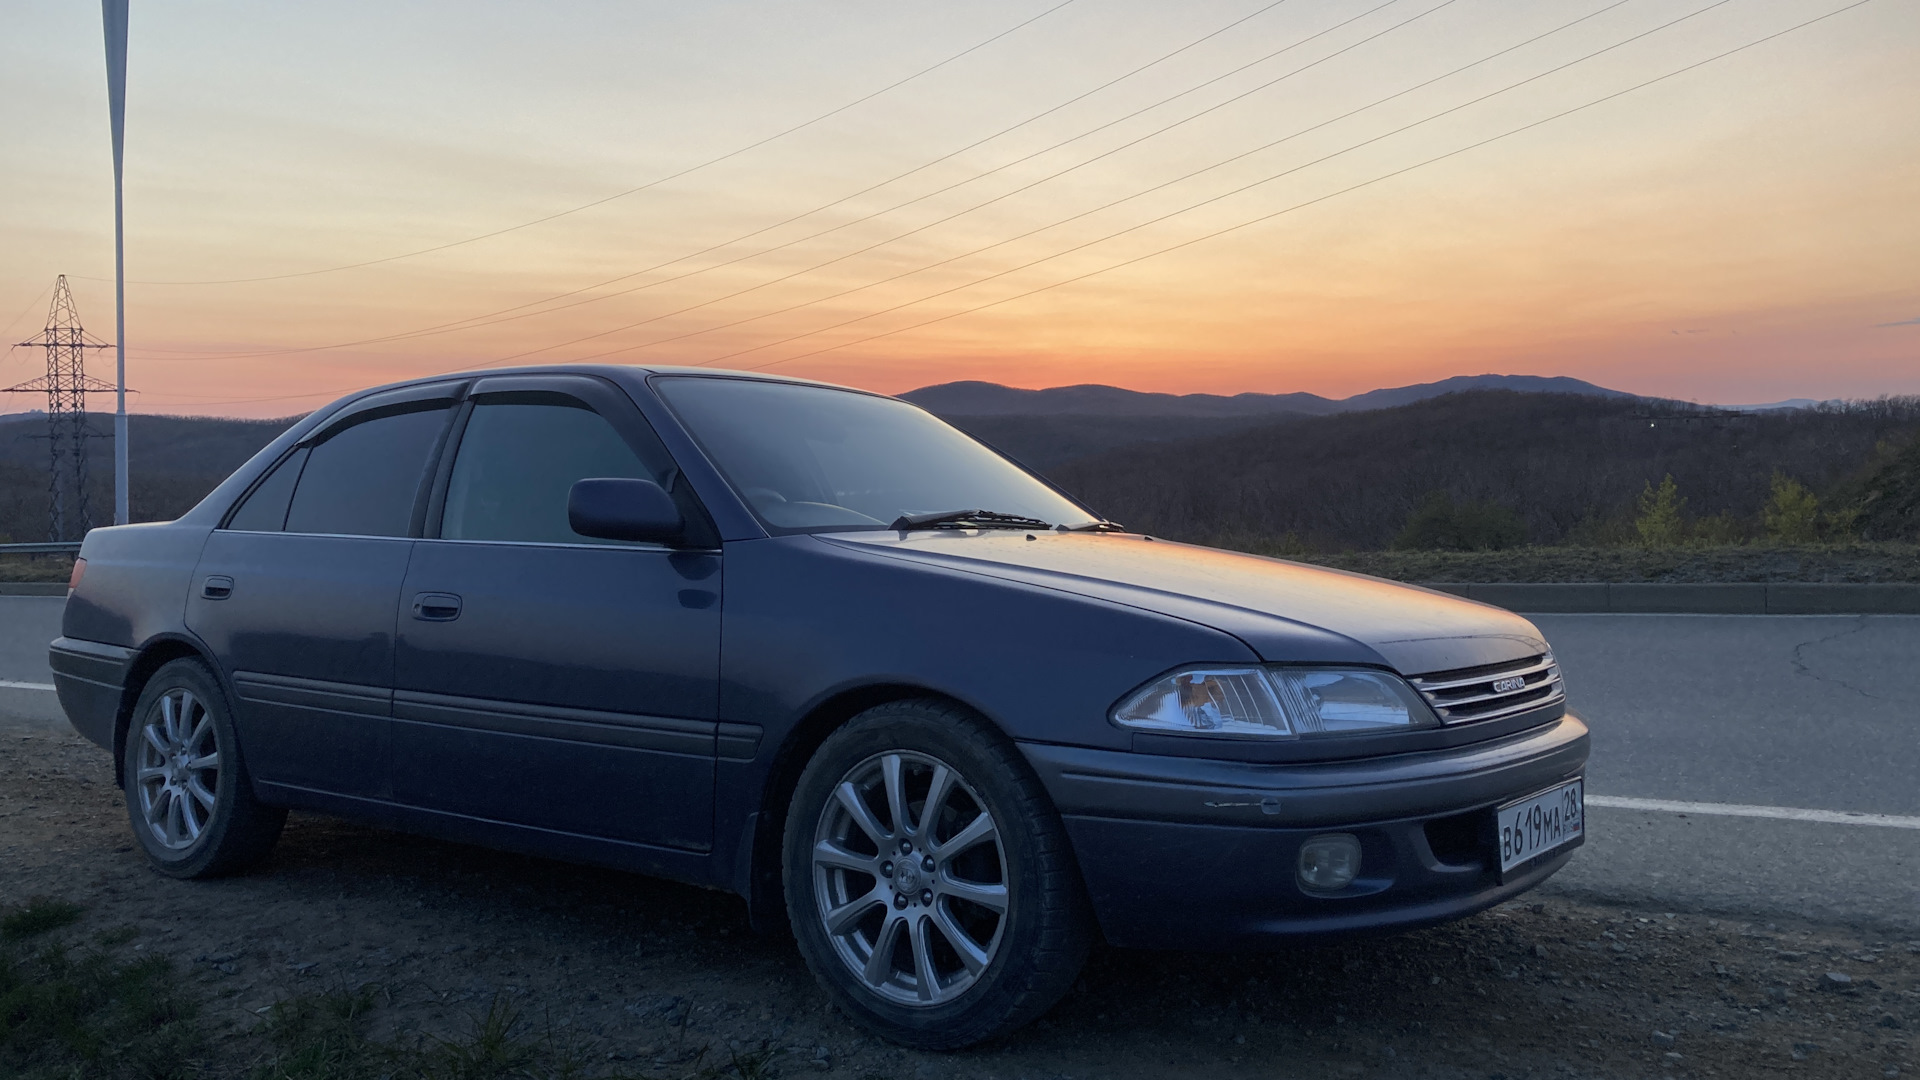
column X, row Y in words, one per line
column 217, row 587
column 436, row 607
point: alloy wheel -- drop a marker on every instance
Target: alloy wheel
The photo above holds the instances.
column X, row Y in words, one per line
column 177, row 770
column 910, row 878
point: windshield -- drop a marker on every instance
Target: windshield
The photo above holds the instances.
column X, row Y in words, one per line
column 810, row 458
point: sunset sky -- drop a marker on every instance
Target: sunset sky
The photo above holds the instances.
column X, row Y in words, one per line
column 1204, row 196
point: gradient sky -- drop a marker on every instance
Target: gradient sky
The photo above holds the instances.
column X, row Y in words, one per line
column 1745, row 231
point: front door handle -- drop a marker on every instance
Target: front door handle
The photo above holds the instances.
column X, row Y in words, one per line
column 436, row 607
column 217, row 587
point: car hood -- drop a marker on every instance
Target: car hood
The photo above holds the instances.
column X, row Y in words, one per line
column 1284, row 611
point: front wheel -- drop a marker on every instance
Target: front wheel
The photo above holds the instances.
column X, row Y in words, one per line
column 928, row 879
column 188, row 794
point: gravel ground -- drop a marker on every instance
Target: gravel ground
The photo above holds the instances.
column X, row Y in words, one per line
column 643, row 978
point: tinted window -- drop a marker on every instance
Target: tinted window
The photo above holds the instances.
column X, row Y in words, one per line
column 266, row 509
column 362, row 481
column 517, row 461
column 809, row 457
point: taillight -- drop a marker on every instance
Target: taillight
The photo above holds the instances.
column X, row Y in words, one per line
column 79, row 571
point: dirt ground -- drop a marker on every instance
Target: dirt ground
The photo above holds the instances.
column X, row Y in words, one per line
column 643, row 978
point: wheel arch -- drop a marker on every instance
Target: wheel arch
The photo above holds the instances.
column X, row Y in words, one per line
column 154, row 655
column 760, row 878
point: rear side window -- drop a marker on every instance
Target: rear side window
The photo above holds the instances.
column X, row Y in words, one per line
column 518, row 459
column 266, row 509
column 363, row 480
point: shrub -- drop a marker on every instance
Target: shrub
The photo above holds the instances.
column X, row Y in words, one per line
column 1662, row 521
column 1440, row 524
column 1792, row 514
column 1889, row 507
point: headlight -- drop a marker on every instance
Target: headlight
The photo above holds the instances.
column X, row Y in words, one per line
column 1275, row 702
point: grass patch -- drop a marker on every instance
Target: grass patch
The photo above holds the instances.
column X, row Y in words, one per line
column 321, row 1037
column 40, row 915
column 324, row 1037
column 35, row 567
column 80, row 1010
column 88, row 1014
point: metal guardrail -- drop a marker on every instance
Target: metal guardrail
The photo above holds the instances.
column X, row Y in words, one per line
column 65, row 547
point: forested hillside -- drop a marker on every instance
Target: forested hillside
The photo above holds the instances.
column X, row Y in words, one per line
column 1568, row 468
column 1523, row 468
column 176, row 460
column 1045, row 442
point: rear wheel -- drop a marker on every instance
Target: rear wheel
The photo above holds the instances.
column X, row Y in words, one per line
column 928, row 879
column 189, row 797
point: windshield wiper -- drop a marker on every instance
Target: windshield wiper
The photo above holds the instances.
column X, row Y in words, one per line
column 966, row 519
column 1092, row 526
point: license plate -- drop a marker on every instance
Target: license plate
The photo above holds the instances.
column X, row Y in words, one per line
column 1541, row 824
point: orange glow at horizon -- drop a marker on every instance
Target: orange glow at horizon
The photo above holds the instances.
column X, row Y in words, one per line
column 1238, row 217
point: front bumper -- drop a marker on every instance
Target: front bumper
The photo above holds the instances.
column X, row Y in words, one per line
column 1199, row 853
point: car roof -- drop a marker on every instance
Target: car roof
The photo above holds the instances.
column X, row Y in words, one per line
column 614, row 372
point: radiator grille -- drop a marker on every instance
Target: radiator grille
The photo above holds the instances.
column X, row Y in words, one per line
column 1467, row 695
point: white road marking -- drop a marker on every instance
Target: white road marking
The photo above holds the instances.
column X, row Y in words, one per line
column 1780, row 813
column 9, row 684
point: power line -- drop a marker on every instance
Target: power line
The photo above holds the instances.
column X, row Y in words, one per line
column 1220, row 232
column 1310, row 202
column 507, row 314
column 1134, row 228
column 908, row 273
column 829, row 114
column 24, row 312
column 968, row 210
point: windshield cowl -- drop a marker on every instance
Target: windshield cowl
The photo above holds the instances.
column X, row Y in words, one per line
column 966, row 519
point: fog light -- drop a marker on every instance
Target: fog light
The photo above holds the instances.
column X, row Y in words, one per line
column 1329, row 863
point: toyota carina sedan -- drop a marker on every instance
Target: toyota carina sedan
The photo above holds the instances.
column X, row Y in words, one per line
column 816, row 647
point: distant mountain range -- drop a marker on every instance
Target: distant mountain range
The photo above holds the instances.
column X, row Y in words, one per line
column 1776, row 406
column 979, row 399
column 1045, row 428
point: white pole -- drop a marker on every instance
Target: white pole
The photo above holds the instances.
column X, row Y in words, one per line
column 113, row 13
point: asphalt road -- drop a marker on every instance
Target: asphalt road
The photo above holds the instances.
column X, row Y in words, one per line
column 27, row 623
column 1805, row 712
column 1809, row 713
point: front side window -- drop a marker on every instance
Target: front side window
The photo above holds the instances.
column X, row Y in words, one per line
column 811, row 458
column 362, row 480
column 517, row 461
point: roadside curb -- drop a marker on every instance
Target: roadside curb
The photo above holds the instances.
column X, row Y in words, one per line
column 33, row 588
column 1745, row 598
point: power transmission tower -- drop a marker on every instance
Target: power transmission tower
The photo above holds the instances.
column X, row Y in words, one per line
column 66, row 385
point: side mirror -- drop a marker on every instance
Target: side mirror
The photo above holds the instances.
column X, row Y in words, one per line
column 622, row 509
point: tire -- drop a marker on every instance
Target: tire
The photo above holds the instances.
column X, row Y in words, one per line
column 850, row 887
column 189, row 797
